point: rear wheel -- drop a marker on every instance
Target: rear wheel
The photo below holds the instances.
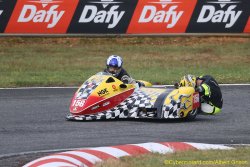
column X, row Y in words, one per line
column 191, row 115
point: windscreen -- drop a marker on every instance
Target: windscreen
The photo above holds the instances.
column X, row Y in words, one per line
column 90, row 85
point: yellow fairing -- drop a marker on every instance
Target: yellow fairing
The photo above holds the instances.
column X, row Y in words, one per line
column 109, row 89
column 153, row 93
column 147, row 84
column 183, row 95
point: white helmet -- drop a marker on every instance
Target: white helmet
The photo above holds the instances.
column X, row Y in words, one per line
column 114, row 64
column 114, row 61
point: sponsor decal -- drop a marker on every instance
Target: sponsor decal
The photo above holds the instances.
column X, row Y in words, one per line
column 112, row 17
column 41, row 16
column 229, row 16
column 161, row 16
column 95, row 107
column 114, row 88
column 6, row 8
column 102, row 16
column 196, row 100
column 102, row 92
column 220, row 16
column 106, row 103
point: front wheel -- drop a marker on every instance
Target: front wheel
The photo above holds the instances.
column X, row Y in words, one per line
column 191, row 115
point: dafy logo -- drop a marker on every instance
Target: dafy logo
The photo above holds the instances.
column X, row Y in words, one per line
column 169, row 16
column 41, row 11
column 227, row 14
column 109, row 15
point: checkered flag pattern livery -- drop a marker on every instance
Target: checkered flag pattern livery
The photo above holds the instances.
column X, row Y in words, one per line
column 133, row 107
column 172, row 110
column 86, row 89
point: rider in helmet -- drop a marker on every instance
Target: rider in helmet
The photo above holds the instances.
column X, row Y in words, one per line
column 114, row 67
column 211, row 97
column 188, row 80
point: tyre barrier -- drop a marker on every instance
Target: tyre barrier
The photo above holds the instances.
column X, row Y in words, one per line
column 87, row 157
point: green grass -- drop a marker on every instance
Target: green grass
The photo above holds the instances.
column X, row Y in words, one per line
column 70, row 61
column 213, row 158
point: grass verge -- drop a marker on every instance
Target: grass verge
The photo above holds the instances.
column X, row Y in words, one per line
column 239, row 157
column 70, row 61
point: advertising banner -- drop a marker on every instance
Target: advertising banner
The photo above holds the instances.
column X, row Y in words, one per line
column 161, row 16
column 247, row 28
column 225, row 16
column 6, row 8
column 102, row 16
column 124, row 16
column 41, row 16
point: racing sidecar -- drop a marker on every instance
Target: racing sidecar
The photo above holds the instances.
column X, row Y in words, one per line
column 103, row 96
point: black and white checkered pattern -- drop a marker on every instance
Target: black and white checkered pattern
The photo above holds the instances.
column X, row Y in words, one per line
column 86, row 90
column 139, row 105
column 133, row 107
column 173, row 109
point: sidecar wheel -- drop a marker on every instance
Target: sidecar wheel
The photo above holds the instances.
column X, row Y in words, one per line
column 191, row 115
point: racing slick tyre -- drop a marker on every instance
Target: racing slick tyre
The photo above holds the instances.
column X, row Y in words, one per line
column 191, row 115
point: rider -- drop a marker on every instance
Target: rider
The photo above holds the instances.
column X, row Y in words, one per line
column 211, row 97
column 114, row 67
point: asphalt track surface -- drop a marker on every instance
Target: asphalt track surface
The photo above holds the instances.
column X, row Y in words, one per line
column 34, row 120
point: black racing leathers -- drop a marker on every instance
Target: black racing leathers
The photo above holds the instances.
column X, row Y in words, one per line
column 210, row 91
column 123, row 76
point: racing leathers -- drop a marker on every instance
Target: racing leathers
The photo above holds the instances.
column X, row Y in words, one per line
column 211, row 95
column 123, row 76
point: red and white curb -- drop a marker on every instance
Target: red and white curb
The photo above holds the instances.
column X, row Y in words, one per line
column 89, row 156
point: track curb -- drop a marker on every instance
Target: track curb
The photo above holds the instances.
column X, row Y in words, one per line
column 89, row 156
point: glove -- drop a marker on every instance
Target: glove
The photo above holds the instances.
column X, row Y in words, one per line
column 140, row 84
column 199, row 89
column 176, row 85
